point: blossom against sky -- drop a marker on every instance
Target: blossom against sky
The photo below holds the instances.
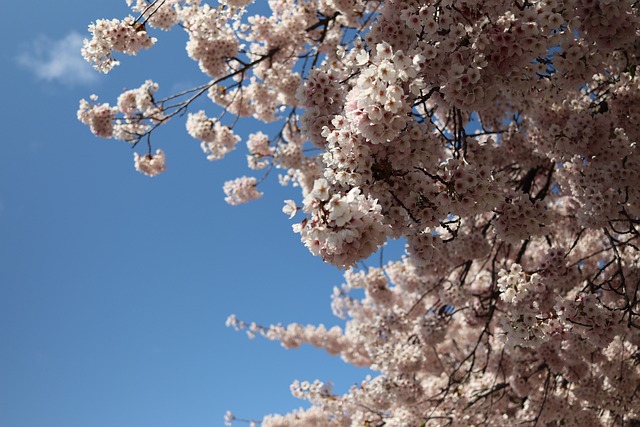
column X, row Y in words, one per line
column 115, row 287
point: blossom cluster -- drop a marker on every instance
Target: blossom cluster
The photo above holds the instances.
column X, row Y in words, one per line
column 99, row 117
column 150, row 164
column 215, row 139
column 241, row 190
column 127, row 36
column 135, row 115
column 162, row 15
column 341, row 229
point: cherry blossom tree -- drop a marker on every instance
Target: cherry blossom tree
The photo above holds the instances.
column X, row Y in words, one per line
column 498, row 138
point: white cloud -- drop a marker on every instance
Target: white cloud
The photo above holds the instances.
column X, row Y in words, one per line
column 58, row 60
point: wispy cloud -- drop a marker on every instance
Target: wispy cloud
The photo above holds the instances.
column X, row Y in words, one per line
column 58, row 60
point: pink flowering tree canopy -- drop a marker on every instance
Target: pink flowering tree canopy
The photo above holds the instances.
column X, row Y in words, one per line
column 498, row 139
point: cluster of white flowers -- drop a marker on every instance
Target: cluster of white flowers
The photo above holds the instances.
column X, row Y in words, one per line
column 150, row 164
column 99, row 117
column 216, row 139
column 321, row 97
column 241, row 190
column 589, row 318
column 520, row 218
column 341, row 229
column 523, row 324
column 259, row 150
column 140, row 112
column 513, row 284
column 162, row 15
column 139, row 102
column 211, row 39
column 257, row 100
column 536, row 313
column 377, row 104
column 127, row 36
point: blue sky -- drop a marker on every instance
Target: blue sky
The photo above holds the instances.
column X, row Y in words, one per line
column 114, row 287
